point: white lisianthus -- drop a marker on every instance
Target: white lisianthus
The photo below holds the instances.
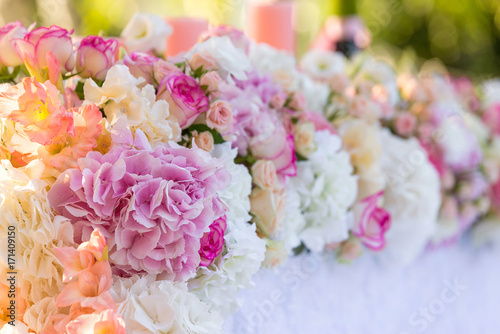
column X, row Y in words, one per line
column 219, row 284
column 145, row 32
column 322, row 65
column 230, row 61
column 121, row 97
column 157, row 307
column 412, row 197
column 327, row 190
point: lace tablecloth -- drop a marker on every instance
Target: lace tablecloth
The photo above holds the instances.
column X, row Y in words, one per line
column 446, row 291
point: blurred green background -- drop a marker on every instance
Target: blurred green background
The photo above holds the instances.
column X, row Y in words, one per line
column 462, row 34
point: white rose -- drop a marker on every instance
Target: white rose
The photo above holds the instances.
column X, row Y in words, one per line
column 145, row 32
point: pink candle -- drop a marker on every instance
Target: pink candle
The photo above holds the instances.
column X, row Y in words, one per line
column 272, row 24
column 187, row 31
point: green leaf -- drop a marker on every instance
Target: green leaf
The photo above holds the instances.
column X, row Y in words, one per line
column 79, row 90
column 203, row 127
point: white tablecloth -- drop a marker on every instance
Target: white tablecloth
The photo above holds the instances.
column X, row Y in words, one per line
column 447, row 291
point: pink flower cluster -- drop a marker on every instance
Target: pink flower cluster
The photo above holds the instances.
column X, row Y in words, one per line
column 154, row 206
column 259, row 128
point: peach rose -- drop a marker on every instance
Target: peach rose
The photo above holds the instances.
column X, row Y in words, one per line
column 210, row 82
column 204, row 140
column 220, row 116
column 276, row 254
column 268, row 209
column 264, row 174
column 198, row 60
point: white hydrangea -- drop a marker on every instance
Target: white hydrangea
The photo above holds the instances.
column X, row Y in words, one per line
column 230, row 60
column 121, row 97
column 219, row 284
column 412, row 197
column 158, row 307
column 24, row 205
column 327, row 189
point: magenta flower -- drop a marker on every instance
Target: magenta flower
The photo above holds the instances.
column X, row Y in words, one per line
column 212, row 242
column 153, row 206
column 371, row 222
column 185, row 97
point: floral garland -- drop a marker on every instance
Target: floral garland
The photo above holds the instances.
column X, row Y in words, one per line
column 142, row 194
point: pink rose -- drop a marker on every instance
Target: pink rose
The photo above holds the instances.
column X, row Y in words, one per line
column 185, row 97
column 405, row 124
column 211, row 81
column 141, row 65
column 198, row 60
column 371, row 222
column 8, row 33
column 279, row 147
column 220, row 116
column 491, row 118
column 95, row 56
column 161, row 68
column 278, row 100
column 38, row 43
column 298, row 101
column 212, row 242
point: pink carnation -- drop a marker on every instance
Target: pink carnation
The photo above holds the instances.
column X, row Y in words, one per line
column 212, row 242
column 153, row 205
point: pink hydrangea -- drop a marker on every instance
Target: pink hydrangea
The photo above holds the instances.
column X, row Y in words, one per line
column 153, row 206
column 212, row 242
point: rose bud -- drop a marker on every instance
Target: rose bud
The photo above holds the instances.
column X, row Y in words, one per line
column 220, row 116
column 39, row 42
column 204, row 140
column 95, row 56
column 8, row 33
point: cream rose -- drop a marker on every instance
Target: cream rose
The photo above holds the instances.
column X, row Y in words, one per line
column 264, row 174
column 304, row 138
column 268, row 210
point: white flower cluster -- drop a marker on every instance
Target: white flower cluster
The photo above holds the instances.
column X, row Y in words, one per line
column 327, row 189
column 218, row 285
